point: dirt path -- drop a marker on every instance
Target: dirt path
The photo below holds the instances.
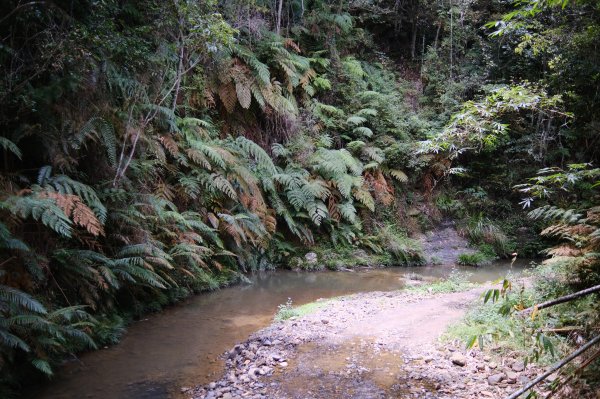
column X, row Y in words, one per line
column 371, row 345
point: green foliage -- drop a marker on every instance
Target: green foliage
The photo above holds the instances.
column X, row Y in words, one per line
column 287, row 310
column 474, row 259
column 152, row 150
column 457, row 281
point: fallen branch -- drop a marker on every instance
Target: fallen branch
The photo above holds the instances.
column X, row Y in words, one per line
column 579, row 370
column 562, row 299
column 555, row 367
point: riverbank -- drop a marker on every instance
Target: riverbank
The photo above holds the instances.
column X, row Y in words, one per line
column 368, row 345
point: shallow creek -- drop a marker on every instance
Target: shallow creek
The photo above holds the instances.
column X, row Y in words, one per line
column 180, row 346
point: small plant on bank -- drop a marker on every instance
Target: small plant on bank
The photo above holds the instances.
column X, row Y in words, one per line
column 285, row 311
column 457, row 281
column 473, row 259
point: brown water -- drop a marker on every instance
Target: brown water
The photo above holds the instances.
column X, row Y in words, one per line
column 181, row 345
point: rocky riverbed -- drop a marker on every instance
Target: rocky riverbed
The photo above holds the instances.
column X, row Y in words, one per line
column 371, row 345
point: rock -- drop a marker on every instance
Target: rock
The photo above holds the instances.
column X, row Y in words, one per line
column 227, row 395
column 495, row 378
column 511, row 377
column 325, row 321
column 443, row 376
column 212, row 385
column 252, row 372
column 234, row 352
column 518, row 366
column 487, row 394
column 311, row 258
column 283, row 364
column 185, row 389
column 458, row 359
column 492, row 365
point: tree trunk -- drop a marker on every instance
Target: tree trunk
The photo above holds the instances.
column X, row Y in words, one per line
column 413, row 48
column 437, row 35
column 279, row 9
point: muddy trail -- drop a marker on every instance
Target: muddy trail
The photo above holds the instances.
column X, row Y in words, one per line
column 371, row 345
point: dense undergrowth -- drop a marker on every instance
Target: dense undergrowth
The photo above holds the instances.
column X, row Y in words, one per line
column 155, row 149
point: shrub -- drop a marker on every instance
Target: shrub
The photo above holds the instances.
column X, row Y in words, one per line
column 473, row 259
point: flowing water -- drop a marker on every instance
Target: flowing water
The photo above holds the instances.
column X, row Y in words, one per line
column 180, row 346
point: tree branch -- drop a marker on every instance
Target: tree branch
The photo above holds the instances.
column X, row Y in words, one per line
column 555, row 367
column 562, row 299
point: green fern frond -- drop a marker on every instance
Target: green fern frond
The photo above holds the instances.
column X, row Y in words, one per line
column 11, row 147
column 399, row 175
column 15, row 297
column 374, row 153
column 363, row 131
column 98, row 128
column 367, row 112
column 40, row 209
column 365, row 198
column 356, row 120
column 255, row 151
column 219, row 182
column 348, row 211
column 317, row 211
column 279, row 151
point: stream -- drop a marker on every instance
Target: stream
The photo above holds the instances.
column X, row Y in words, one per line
column 180, row 346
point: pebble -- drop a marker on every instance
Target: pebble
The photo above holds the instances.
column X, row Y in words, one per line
column 511, row 377
column 518, row 366
column 458, row 359
column 495, row 379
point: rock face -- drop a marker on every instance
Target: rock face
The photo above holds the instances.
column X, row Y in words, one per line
column 444, row 244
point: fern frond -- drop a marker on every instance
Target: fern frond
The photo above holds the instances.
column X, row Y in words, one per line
column 15, row 297
column 9, row 146
column 398, row 175
column 365, row 198
column 98, row 128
